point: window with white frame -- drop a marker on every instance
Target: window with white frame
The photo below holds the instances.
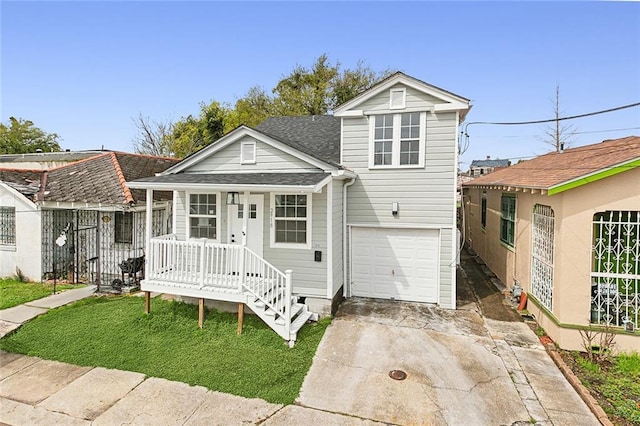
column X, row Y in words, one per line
column 7, row 226
column 248, row 152
column 202, row 217
column 398, row 140
column 291, row 224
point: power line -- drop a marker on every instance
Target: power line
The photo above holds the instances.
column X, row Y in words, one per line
column 570, row 133
column 551, row 120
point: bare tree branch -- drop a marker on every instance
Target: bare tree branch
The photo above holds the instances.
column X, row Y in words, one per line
column 153, row 137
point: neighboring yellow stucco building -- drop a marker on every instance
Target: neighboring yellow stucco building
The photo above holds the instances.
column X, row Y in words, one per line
column 565, row 226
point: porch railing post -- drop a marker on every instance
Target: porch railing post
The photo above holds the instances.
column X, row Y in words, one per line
column 241, row 258
column 287, row 302
column 203, row 258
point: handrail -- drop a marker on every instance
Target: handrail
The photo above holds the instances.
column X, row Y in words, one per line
column 202, row 263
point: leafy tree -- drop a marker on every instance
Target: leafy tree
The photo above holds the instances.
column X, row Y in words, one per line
column 191, row 134
column 251, row 110
column 21, row 136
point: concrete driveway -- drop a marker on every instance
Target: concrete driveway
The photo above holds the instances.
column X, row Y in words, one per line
column 462, row 369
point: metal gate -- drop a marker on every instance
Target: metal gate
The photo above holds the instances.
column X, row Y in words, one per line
column 89, row 246
column 542, row 236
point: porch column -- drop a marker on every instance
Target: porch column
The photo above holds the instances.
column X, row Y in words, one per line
column 245, row 217
column 147, row 245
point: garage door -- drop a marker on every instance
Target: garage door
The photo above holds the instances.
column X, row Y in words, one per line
column 397, row 264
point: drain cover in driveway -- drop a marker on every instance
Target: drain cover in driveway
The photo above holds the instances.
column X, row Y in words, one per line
column 397, row 374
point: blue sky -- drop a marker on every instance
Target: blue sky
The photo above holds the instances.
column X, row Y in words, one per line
column 84, row 69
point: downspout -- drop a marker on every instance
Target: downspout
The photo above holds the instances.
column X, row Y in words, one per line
column 345, row 254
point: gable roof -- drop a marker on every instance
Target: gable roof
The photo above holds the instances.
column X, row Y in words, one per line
column 453, row 102
column 559, row 171
column 25, row 181
column 490, row 163
column 102, row 179
column 317, row 135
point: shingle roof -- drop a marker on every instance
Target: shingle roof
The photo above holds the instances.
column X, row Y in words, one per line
column 27, row 182
column 555, row 168
column 285, row 179
column 317, row 135
column 102, row 179
column 490, row 163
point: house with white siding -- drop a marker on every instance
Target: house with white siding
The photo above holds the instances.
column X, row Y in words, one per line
column 291, row 216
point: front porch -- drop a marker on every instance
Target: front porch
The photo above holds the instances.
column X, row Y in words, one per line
column 226, row 272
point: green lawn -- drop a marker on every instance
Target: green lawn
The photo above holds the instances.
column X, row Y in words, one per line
column 115, row 333
column 615, row 384
column 13, row 292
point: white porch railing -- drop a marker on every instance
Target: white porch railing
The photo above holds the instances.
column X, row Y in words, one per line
column 205, row 265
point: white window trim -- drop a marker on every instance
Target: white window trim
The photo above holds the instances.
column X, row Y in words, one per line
column 395, row 147
column 404, row 98
column 272, row 222
column 243, row 160
column 188, row 215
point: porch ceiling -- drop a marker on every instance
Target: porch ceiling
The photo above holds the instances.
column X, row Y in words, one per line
column 307, row 182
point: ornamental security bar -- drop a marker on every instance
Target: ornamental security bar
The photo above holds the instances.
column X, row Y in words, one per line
column 542, row 255
column 615, row 276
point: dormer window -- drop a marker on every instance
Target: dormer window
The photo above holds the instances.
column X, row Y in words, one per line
column 248, row 152
column 397, row 140
column 397, row 98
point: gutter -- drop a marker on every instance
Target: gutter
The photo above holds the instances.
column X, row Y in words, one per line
column 345, row 254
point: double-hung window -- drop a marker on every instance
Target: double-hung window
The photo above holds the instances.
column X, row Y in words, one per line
column 398, row 140
column 508, row 219
column 291, row 221
column 7, row 226
column 203, row 216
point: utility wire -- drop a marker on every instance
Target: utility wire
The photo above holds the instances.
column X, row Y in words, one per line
column 551, row 120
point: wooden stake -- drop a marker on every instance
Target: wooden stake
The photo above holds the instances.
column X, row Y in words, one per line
column 240, row 317
column 147, row 302
column 200, row 312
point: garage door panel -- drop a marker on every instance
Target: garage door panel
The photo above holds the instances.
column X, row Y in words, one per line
column 395, row 263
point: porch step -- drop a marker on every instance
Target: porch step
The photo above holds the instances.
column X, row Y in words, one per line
column 298, row 315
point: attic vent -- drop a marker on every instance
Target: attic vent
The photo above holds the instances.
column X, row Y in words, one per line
column 248, row 152
column 397, row 98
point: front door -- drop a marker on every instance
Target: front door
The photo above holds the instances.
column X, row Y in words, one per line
column 255, row 227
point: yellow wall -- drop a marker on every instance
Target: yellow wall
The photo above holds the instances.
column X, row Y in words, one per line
column 573, row 211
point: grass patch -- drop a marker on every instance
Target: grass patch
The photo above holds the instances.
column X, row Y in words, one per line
column 115, row 333
column 615, row 384
column 14, row 292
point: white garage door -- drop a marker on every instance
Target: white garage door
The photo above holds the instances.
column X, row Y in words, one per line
column 395, row 263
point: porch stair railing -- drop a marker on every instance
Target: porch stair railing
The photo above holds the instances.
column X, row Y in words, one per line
column 233, row 268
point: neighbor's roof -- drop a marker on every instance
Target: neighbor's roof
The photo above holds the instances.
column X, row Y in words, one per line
column 316, row 135
column 46, row 157
column 25, row 181
column 580, row 165
column 102, row 179
column 490, row 163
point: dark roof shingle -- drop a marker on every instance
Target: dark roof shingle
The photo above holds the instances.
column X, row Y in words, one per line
column 286, row 179
column 25, row 181
column 102, row 179
column 317, row 135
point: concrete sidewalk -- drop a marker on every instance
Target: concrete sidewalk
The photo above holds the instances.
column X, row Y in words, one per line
column 463, row 368
column 12, row 318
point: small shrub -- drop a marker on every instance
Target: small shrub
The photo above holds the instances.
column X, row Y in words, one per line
column 20, row 277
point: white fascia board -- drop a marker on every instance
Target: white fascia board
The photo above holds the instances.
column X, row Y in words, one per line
column 350, row 113
column 407, row 81
column 318, row 186
column 161, row 186
column 451, row 106
column 344, row 174
column 17, row 194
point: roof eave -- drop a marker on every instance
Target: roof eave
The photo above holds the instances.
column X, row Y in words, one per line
column 594, row 176
column 225, row 187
